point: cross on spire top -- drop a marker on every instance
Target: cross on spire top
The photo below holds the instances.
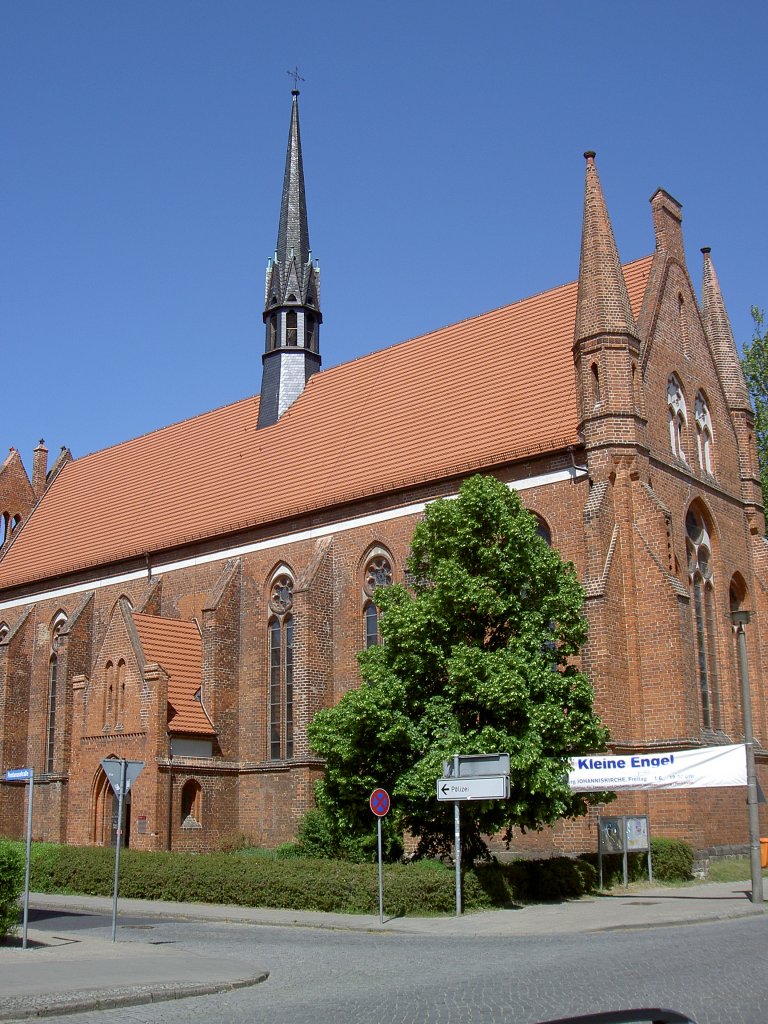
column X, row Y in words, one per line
column 296, row 78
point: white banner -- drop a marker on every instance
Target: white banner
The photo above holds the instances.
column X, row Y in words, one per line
column 674, row 769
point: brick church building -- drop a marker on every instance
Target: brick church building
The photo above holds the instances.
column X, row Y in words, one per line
column 190, row 598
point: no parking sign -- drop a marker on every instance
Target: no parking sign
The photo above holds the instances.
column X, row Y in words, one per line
column 380, row 802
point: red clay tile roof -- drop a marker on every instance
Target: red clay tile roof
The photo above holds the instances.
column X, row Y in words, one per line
column 177, row 647
column 479, row 393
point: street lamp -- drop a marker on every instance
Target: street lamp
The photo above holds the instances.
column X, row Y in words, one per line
column 740, row 618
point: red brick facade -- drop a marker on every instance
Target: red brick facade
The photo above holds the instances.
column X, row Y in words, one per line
column 616, row 505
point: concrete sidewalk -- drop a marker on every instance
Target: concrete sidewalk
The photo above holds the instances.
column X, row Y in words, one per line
column 64, row 971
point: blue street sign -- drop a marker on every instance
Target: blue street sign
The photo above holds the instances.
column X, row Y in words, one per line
column 18, row 774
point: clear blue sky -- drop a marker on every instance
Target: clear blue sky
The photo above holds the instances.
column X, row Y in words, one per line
column 143, row 150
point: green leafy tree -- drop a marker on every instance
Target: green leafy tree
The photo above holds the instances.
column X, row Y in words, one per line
column 475, row 658
column 754, row 363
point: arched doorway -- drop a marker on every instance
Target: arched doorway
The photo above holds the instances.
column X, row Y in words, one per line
column 104, row 811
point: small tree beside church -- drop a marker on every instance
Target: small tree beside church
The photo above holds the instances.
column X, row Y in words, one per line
column 475, row 657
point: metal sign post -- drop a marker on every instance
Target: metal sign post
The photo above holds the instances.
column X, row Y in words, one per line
column 121, row 775
column 471, row 777
column 21, row 775
column 456, row 840
column 380, row 803
column 118, row 844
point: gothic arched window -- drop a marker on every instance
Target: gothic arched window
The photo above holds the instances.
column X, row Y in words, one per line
column 53, row 675
column 699, row 548
column 543, row 531
column 280, row 639
column 703, row 432
column 309, row 332
column 109, row 693
column 677, row 416
column 291, row 327
column 191, row 804
column 378, row 573
column 120, row 693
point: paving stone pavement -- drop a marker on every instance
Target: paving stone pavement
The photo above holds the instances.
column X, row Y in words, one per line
column 67, row 970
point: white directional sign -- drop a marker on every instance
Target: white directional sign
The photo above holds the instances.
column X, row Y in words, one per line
column 494, row 787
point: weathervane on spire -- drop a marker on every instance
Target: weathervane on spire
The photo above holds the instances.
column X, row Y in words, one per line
column 296, row 78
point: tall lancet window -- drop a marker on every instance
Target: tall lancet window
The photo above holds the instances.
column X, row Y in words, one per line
column 677, row 416
column 703, row 433
column 378, row 573
column 53, row 691
column 700, row 574
column 280, row 634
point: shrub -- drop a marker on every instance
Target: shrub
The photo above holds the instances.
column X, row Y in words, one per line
column 11, row 885
column 613, row 867
column 286, row 880
column 672, row 860
column 320, row 835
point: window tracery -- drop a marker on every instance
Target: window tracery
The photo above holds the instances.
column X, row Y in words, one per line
column 378, row 573
column 703, row 432
column 701, row 577
column 677, row 416
column 280, row 644
column 57, row 626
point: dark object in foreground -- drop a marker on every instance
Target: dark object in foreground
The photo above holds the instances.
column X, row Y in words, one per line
column 645, row 1016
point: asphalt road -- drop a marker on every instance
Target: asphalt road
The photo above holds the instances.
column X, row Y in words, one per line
column 716, row 972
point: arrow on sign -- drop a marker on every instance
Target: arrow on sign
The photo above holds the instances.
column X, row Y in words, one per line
column 493, row 787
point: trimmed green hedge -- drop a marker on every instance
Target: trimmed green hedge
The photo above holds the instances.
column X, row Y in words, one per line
column 12, row 862
column 257, row 879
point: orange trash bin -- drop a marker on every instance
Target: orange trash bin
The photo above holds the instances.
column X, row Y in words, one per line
column 764, row 853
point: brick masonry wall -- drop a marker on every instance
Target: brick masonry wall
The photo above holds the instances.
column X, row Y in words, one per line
column 622, row 522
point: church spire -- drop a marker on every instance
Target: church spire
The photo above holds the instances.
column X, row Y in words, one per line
column 718, row 327
column 603, row 303
column 606, row 343
column 293, row 232
column 292, row 298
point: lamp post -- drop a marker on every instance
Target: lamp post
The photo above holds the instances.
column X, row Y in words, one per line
column 740, row 619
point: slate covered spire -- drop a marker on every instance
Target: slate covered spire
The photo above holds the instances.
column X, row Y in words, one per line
column 293, row 232
column 603, row 303
column 292, row 314
column 718, row 327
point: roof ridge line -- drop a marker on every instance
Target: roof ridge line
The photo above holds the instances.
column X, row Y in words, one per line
column 464, row 320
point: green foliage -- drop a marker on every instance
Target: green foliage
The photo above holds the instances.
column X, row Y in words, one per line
column 613, row 867
column 731, row 869
column 255, row 879
column 476, row 659
column 11, row 885
column 754, row 363
column 672, row 860
column 319, row 835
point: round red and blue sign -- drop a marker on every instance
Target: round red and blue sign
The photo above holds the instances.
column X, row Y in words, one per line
column 380, row 802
